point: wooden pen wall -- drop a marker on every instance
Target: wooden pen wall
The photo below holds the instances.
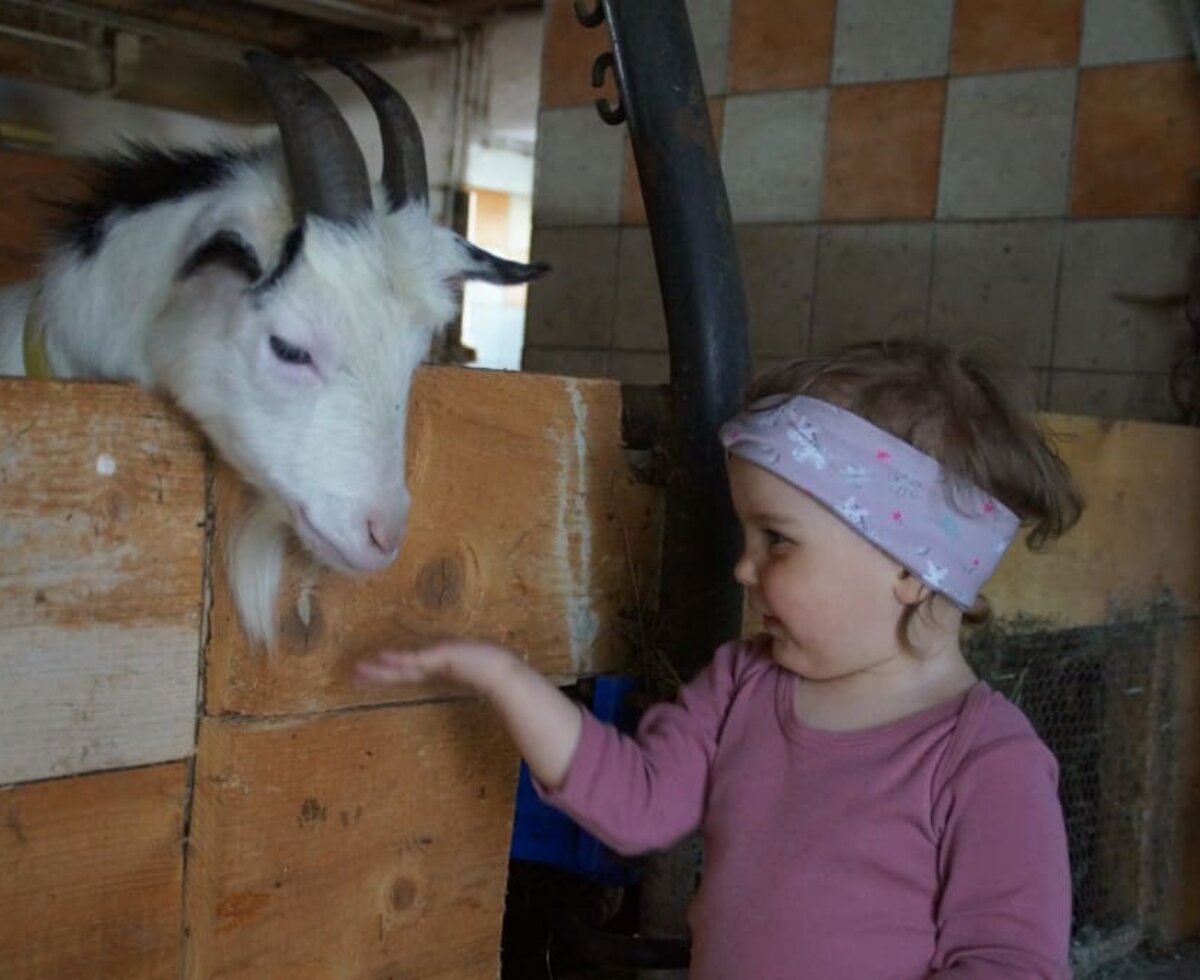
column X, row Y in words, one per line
column 174, row 803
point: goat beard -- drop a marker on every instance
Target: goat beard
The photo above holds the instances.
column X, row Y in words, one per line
column 255, row 563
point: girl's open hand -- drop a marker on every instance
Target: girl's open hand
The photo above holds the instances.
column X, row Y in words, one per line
column 475, row 665
column 543, row 722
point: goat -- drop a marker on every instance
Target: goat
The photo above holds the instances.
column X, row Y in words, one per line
column 281, row 301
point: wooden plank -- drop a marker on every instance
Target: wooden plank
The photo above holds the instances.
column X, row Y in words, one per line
column 28, row 181
column 16, row 265
column 526, row 528
column 102, row 495
column 91, row 876
column 238, row 23
column 1139, row 538
column 1181, row 862
column 187, row 81
column 369, row 843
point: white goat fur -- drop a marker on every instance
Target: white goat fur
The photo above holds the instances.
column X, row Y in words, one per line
column 323, row 444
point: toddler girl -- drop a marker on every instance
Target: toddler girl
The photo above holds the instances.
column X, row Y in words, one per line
column 870, row 809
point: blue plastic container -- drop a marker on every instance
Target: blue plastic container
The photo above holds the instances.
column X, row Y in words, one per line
column 543, row 834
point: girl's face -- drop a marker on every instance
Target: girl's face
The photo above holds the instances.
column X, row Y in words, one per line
column 828, row 597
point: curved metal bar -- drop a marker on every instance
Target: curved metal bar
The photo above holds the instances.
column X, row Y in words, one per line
column 695, row 253
column 589, row 18
column 614, row 115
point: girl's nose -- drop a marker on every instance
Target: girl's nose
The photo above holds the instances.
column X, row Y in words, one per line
column 744, row 572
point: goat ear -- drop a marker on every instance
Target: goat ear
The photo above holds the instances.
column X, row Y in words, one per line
column 483, row 265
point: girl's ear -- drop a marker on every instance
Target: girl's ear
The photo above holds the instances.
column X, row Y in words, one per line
column 910, row 590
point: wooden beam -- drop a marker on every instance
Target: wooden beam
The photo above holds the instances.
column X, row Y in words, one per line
column 27, row 183
column 205, row 27
column 101, row 577
column 527, row 527
column 154, row 75
column 91, row 876
column 366, row 844
column 393, row 18
column 1138, row 541
column 168, row 78
column 79, row 68
column 1179, row 854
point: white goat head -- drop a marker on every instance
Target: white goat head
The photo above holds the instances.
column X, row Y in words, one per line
column 291, row 307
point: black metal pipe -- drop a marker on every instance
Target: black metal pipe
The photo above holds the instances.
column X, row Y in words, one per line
column 695, row 253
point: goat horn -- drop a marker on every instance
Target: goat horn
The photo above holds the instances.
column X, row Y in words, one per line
column 404, row 176
column 326, row 167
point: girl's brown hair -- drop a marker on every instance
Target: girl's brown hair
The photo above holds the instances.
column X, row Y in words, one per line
column 953, row 407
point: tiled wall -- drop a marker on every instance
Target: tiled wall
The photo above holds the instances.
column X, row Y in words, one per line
column 1023, row 171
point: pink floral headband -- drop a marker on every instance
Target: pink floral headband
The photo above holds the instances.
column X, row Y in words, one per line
column 892, row 494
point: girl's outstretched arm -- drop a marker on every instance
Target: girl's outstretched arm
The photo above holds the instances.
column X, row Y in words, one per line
column 543, row 722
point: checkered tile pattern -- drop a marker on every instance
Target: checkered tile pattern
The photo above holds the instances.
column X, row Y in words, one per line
column 1023, row 174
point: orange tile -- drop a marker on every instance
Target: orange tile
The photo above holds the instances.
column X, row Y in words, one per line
column 884, row 147
column 779, row 44
column 1136, row 133
column 997, row 35
column 568, row 51
column 633, row 210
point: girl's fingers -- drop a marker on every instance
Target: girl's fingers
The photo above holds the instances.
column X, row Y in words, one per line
column 459, row 662
column 396, row 658
column 374, row 672
column 387, row 673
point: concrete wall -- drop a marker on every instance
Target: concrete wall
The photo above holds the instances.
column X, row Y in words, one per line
column 1019, row 172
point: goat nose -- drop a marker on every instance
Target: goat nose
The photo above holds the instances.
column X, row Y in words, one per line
column 385, row 533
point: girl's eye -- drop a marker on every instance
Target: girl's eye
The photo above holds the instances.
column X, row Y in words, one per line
column 774, row 538
column 289, row 353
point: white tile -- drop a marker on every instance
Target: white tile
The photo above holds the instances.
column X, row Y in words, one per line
column 880, row 40
column 779, row 265
column 573, row 304
column 1116, row 31
column 710, row 30
column 565, row 361
column 995, row 283
column 1118, row 304
column 773, row 151
column 1113, row 395
column 872, row 283
column 1006, row 145
column 640, row 367
column 578, row 168
column 640, row 323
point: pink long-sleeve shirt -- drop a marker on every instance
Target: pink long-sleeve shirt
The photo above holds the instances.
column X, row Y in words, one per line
column 933, row 846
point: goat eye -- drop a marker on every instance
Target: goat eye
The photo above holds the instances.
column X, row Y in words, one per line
column 289, row 353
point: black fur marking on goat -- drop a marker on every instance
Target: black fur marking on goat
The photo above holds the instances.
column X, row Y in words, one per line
column 225, row 248
column 139, row 177
column 291, row 248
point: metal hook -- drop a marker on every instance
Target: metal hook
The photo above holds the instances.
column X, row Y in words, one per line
column 589, row 18
column 614, row 115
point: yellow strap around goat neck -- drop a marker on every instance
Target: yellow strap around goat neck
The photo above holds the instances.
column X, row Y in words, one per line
column 37, row 364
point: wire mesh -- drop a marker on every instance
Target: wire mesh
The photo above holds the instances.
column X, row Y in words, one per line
column 1094, row 696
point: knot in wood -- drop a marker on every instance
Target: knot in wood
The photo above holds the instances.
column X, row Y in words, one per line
column 441, row 580
column 404, row 893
